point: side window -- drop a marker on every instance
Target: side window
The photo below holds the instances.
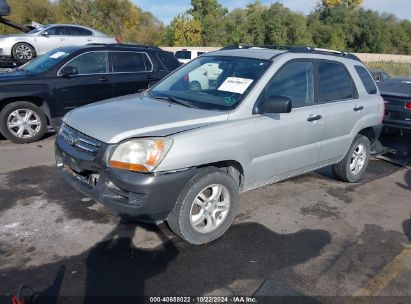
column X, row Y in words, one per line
column 91, row 63
column 131, row 62
column 169, row 61
column 366, row 79
column 56, row 31
column 295, row 80
column 334, row 82
column 77, row 31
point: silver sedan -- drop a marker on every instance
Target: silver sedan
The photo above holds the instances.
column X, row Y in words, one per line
column 24, row 47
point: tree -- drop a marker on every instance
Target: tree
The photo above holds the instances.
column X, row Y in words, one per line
column 187, row 31
column 345, row 3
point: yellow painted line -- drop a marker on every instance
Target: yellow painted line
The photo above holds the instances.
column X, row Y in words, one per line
column 385, row 276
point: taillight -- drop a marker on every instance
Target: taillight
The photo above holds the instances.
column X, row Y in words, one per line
column 408, row 105
column 385, row 109
column 186, row 77
column 118, row 40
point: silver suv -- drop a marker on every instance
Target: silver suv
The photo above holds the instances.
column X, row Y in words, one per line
column 183, row 155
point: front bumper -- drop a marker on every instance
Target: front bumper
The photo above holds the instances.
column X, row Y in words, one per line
column 147, row 197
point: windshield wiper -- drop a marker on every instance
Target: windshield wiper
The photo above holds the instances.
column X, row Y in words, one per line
column 171, row 99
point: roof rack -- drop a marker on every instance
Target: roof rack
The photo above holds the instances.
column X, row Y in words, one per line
column 136, row 45
column 296, row 49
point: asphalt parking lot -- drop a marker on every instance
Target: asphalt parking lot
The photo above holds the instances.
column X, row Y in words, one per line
column 311, row 235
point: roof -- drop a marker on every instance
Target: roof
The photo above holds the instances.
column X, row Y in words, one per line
column 258, row 53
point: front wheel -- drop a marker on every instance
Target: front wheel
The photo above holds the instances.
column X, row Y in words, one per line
column 352, row 167
column 23, row 52
column 206, row 207
column 22, row 122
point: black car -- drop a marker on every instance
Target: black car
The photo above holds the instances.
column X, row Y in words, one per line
column 379, row 76
column 36, row 95
column 397, row 95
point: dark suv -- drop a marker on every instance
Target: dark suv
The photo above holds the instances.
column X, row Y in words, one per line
column 36, row 95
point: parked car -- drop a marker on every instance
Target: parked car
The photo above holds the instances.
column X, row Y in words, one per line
column 380, row 76
column 36, row 95
column 397, row 95
column 183, row 156
column 205, row 76
column 26, row 46
column 186, row 55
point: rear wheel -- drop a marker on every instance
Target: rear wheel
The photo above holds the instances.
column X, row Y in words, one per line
column 195, row 86
column 352, row 167
column 206, row 207
column 22, row 122
column 23, row 52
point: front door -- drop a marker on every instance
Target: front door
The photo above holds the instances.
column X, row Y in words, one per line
column 289, row 143
column 94, row 82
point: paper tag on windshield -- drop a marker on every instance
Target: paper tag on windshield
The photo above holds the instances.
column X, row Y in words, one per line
column 57, row 55
column 235, row 85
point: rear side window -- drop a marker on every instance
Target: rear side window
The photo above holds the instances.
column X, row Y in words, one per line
column 77, row 31
column 295, row 80
column 183, row 54
column 334, row 82
column 366, row 79
column 168, row 60
column 131, row 62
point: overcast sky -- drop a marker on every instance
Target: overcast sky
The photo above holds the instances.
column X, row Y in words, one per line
column 165, row 10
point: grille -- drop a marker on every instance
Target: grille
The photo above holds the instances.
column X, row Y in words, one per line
column 79, row 140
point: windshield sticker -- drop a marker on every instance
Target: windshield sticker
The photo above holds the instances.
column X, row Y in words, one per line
column 58, row 55
column 235, row 85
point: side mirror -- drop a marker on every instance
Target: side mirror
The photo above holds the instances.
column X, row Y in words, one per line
column 276, row 104
column 68, row 71
column 44, row 34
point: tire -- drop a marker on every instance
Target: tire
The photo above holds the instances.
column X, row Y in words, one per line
column 26, row 128
column 354, row 164
column 23, row 52
column 195, row 86
column 193, row 223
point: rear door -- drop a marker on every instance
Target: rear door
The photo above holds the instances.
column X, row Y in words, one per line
column 133, row 71
column 94, row 81
column 289, row 143
column 342, row 109
column 77, row 36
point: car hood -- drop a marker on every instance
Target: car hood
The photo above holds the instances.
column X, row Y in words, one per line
column 13, row 75
column 20, row 35
column 114, row 120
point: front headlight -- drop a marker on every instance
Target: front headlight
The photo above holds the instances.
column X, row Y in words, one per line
column 141, row 155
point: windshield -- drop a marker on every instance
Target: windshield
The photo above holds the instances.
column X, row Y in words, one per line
column 183, row 54
column 212, row 82
column 46, row 61
column 37, row 30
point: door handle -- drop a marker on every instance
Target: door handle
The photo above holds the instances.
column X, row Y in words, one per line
column 314, row 118
column 103, row 79
column 358, row 108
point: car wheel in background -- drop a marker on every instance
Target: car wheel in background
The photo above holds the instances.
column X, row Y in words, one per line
column 22, row 122
column 195, row 86
column 352, row 167
column 206, row 207
column 23, row 52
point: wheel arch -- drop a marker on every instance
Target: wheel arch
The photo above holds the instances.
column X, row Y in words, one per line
column 36, row 100
column 232, row 167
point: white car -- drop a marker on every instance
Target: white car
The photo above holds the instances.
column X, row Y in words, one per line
column 186, row 55
column 26, row 46
column 204, row 77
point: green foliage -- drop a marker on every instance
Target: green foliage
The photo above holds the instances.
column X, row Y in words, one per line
column 186, row 31
column 334, row 24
